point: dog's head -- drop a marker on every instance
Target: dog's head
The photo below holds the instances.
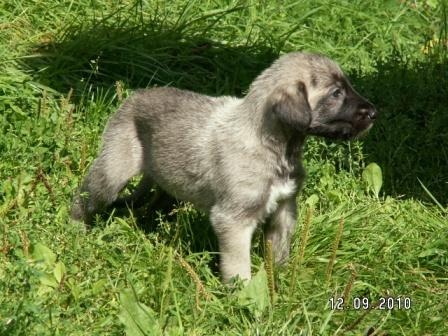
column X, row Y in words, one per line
column 310, row 93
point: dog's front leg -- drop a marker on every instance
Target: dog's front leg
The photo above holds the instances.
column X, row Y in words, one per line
column 234, row 238
column 280, row 228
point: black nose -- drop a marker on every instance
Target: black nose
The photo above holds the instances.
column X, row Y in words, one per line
column 372, row 113
column 368, row 110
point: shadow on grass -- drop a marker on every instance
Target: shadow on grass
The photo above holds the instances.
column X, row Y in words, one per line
column 409, row 141
column 146, row 55
column 175, row 223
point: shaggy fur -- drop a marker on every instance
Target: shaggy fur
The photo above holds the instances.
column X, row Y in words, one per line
column 238, row 160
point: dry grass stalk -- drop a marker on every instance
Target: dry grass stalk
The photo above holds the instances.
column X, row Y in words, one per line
column 200, row 288
column 42, row 178
column 269, row 266
column 297, row 262
column 119, row 90
column 5, row 246
column 335, row 248
column 25, row 243
column 348, row 287
column 69, row 108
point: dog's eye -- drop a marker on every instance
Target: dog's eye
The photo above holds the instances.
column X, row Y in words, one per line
column 337, row 93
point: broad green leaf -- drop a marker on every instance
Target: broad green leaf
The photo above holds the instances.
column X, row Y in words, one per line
column 256, row 293
column 432, row 3
column 59, row 271
column 48, row 280
column 374, row 177
column 43, row 254
column 138, row 319
column 98, row 286
column 74, row 289
column 312, row 200
column 47, row 284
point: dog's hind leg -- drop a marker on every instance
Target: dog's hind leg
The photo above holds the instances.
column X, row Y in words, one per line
column 120, row 159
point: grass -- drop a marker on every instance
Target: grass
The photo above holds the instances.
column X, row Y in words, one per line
column 66, row 66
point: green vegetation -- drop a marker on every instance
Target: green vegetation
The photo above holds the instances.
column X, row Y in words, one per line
column 65, row 66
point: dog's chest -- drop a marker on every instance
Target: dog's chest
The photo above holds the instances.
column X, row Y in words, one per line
column 278, row 191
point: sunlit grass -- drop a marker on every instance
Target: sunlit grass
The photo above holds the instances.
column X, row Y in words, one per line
column 60, row 63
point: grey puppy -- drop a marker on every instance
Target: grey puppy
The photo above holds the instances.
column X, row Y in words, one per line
column 238, row 160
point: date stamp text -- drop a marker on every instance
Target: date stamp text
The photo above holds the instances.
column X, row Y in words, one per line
column 365, row 303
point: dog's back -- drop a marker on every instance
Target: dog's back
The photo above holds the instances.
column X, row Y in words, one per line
column 177, row 130
column 166, row 134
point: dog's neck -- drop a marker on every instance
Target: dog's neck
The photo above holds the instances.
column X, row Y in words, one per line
column 276, row 136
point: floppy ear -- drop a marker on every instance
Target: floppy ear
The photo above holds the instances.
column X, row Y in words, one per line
column 290, row 105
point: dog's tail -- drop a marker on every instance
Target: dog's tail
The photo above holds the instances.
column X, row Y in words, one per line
column 120, row 159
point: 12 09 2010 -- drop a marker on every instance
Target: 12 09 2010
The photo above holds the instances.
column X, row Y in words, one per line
column 366, row 303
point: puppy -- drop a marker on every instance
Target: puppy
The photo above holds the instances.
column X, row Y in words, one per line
column 238, row 160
